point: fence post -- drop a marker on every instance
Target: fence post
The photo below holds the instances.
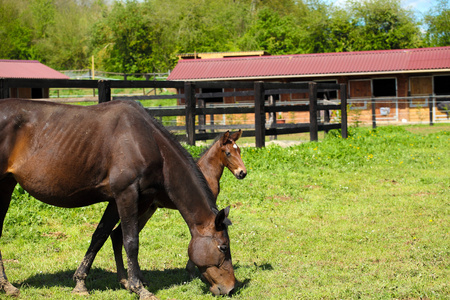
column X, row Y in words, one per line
column 430, row 106
column 313, row 124
column 260, row 115
column 211, row 119
column 104, row 91
column 4, row 90
column 374, row 116
column 189, row 93
column 273, row 116
column 343, row 94
column 202, row 117
column 326, row 113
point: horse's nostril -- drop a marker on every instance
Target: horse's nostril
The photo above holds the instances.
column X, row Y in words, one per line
column 242, row 174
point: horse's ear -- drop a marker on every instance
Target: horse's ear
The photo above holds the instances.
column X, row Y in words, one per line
column 235, row 136
column 225, row 137
column 222, row 218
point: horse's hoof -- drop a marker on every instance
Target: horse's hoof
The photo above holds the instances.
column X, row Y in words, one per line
column 146, row 295
column 80, row 293
column 80, row 289
column 190, row 268
column 11, row 290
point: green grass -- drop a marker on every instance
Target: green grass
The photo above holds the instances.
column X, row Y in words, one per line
column 366, row 217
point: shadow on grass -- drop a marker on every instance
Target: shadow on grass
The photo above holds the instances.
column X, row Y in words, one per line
column 102, row 280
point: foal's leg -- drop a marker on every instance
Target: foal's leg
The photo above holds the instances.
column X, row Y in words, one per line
column 101, row 234
column 6, row 188
column 117, row 243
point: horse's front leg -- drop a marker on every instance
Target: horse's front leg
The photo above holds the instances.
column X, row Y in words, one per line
column 117, row 243
column 101, row 234
column 127, row 205
column 6, row 188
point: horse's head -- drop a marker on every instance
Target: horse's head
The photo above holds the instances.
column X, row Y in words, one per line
column 231, row 154
column 209, row 250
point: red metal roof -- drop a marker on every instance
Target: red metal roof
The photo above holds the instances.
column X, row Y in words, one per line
column 28, row 69
column 308, row 65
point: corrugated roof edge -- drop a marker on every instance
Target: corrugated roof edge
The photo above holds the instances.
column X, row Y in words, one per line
column 193, row 73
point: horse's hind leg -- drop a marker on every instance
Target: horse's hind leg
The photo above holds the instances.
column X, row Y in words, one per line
column 6, row 188
column 117, row 243
column 101, row 234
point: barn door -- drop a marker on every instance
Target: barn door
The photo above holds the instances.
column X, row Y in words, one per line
column 359, row 91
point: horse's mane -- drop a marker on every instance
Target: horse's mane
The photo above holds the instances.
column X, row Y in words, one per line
column 193, row 166
column 209, row 147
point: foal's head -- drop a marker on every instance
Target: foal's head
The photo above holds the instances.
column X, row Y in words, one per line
column 209, row 250
column 230, row 154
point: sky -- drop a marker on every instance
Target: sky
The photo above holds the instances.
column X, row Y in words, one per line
column 420, row 7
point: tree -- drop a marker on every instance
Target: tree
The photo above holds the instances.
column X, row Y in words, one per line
column 63, row 42
column 437, row 21
column 319, row 31
column 211, row 25
column 130, row 39
column 382, row 24
column 16, row 32
column 272, row 33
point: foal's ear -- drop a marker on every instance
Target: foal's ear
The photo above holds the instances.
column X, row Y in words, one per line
column 235, row 136
column 222, row 218
column 225, row 137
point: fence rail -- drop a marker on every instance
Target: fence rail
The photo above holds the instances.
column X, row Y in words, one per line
column 412, row 109
column 92, row 74
column 195, row 107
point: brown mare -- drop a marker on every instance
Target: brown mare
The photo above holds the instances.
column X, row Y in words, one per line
column 224, row 152
column 73, row 156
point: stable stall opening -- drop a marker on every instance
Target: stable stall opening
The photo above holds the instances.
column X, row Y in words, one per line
column 385, row 87
column 441, row 85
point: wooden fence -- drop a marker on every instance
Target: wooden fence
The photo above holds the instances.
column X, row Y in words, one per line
column 194, row 100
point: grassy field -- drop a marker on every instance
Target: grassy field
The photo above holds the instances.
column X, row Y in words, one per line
column 367, row 217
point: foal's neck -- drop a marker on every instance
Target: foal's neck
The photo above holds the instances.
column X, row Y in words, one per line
column 212, row 168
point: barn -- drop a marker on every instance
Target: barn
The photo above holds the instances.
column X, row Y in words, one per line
column 28, row 69
column 398, row 81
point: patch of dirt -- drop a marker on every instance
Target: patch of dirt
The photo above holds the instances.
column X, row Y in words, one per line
column 280, row 143
column 58, row 235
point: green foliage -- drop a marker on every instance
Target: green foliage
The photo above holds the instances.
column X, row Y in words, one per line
column 273, row 33
column 129, row 35
column 381, row 25
column 16, row 32
column 145, row 36
column 68, row 35
column 55, row 32
column 438, row 25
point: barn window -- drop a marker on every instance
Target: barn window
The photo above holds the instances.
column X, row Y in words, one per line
column 276, row 97
column 385, row 87
column 329, row 94
column 36, row 93
column 441, row 85
column 215, row 99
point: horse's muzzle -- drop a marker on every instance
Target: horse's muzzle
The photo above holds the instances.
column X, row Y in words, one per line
column 241, row 174
column 219, row 290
